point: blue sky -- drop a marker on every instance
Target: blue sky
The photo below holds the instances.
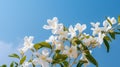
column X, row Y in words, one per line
column 19, row 18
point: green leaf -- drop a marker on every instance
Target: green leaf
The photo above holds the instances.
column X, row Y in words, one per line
column 66, row 64
column 12, row 64
column 112, row 34
column 65, row 28
column 107, row 38
column 22, row 60
column 33, row 65
column 75, row 41
column 81, row 62
column 58, row 58
column 119, row 29
column 109, row 21
column 3, row 65
column 106, row 44
column 117, row 32
column 42, row 44
column 61, row 64
column 91, row 59
column 118, row 19
column 16, row 64
column 14, row 55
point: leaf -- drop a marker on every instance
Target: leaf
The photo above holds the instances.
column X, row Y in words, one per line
column 119, row 29
column 58, row 58
column 42, row 44
column 118, row 19
column 61, row 64
column 91, row 59
column 81, row 62
column 65, row 28
column 14, row 55
column 112, row 34
column 33, row 65
column 16, row 64
column 117, row 32
column 107, row 38
column 75, row 41
column 22, row 60
column 12, row 64
column 3, row 65
column 66, row 64
column 106, row 44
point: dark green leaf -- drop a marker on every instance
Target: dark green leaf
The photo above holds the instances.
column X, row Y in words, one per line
column 81, row 62
column 112, row 34
column 66, row 64
column 16, row 64
column 58, row 58
column 42, row 44
column 117, row 32
column 33, row 65
column 91, row 59
column 57, row 51
column 14, row 55
column 65, row 28
column 107, row 38
column 61, row 64
column 12, row 64
column 119, row 19
column 3, row 65
column 75, row 41
column 22, row 60
column 119, row 29
column 106, row 44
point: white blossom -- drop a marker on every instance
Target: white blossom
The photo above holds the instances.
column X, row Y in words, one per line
column 43, row 59
column 52, row 24
column 113, row 20
column 96, row 28
column 80, row 27
column 52, row 39
column 26, row 64
column 100, row 38
column 27, row 44
column 71, row 51
column 106, row 26
column 72, row 31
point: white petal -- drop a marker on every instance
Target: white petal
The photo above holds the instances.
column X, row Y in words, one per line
column 45, row 52
column 46, row 27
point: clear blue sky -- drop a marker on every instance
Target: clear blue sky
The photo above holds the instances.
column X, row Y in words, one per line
column 19, row 18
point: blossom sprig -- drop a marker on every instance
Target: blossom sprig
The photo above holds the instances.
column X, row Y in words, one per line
column 67, row 46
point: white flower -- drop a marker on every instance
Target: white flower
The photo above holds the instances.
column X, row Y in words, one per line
column 59, row 46
column 62, row 34
column 106, row 27
column 27, row 44
column 71, row 51
column 95, row 24
column 52, row 24
column 26, row 64
column 96, row 28
column 113, row 20
column 52, row 39
column 42, row 59
column 100, row 38
column 80, row 27
column 72, row 31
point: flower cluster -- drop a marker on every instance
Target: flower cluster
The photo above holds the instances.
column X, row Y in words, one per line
column 67, row 46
